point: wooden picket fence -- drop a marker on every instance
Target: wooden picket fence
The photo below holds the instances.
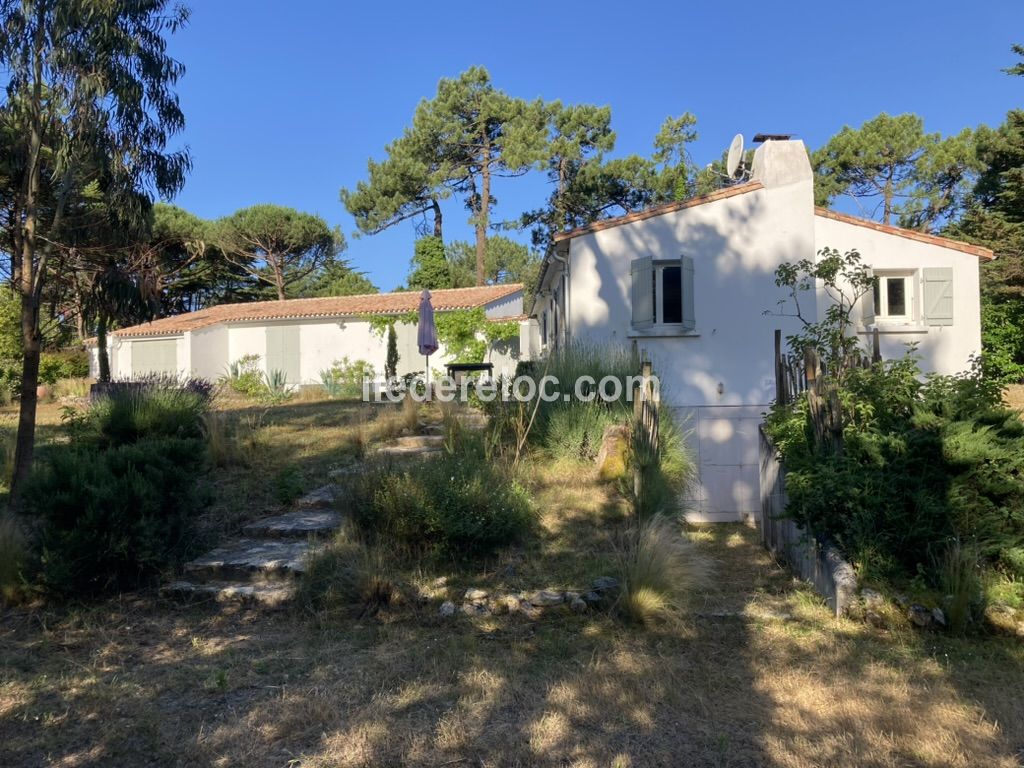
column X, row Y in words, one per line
column 795, row 374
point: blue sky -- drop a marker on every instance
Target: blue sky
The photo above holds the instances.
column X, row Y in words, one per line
column 285, row 101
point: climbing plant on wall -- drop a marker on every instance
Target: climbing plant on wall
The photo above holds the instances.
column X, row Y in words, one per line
column 464, row 333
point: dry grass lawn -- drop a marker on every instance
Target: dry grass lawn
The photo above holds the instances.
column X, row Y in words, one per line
column 759, row 674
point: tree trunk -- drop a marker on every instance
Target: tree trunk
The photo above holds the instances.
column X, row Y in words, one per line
column 278, row 278
column 482, row 214
column 26, row 439
column 887, row 198
column 437, row 219
column 102, row 354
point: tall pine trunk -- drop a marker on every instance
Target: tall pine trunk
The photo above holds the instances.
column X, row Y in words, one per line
column 437, row 219
column 483, row 213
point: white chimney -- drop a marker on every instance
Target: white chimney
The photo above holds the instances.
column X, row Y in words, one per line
column 779, row 162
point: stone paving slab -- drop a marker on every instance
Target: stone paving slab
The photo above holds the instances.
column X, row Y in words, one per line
column 300, row 524
column 407, row 450
column 324, row 496
column 420, row 441
column 265, row 594
column 253, row 557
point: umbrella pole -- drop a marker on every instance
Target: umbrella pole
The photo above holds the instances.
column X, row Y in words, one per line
column 427, row 394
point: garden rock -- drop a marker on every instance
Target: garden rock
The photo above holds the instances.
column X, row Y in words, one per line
column 546, row 598
column 476, row 594
column 611, row 458
column 578, row 605
column 939, row 616
column 872, row 598
column 447, row 608
column 604, row 584
column 876, row 620
column 474, row 609
column 919, row 616
column 593, row 598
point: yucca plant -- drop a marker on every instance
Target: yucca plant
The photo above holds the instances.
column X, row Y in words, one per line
column 276, row 386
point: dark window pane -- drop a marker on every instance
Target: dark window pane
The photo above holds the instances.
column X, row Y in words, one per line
column 896, row 295
column 654, row 295
column 672, row 288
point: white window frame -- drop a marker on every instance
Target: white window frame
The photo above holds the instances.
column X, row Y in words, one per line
column 881, row 300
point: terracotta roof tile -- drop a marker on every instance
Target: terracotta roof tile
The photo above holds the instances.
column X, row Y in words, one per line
column 335, row 306
column 658, row 210
column 910, row 234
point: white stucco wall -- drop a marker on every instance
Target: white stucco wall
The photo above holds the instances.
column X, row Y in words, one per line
column 736, row 244
column 720, row 378
column 942, row 349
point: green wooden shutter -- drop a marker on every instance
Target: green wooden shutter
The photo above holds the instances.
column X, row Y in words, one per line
column 867, row 303
column 689, row 316
column 283, row 351
column 938, row 296
column 154, row 356
column 642, row 275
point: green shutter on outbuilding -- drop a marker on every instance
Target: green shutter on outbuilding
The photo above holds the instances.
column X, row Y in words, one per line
column 151, row 356
column 283, row 351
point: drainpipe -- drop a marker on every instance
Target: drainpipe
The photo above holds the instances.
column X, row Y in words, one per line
column 566, row 291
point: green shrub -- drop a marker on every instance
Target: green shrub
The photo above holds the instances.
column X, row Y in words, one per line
column 460, row 504
column 345, row 378
column 67, row 364
column 10, row 377
column 116, row 518
column 922, row 463
column 244, row 376
column 288, row 485
column 151, row 408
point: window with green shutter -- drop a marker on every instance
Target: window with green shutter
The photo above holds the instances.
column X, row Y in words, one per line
column 662, row 294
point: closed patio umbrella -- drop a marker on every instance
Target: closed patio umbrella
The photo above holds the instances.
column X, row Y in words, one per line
column 426, row 332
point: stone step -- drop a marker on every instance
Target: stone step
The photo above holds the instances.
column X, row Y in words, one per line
column 323, row 497
column 420, row 441
column 252, row 559
column 299, row 524
column 265, row 594
column 399, row 451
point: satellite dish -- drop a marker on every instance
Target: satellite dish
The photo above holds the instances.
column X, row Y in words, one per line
column 735, row 158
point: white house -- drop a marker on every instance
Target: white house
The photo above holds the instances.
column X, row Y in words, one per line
column 689, row 284
column 301, row 336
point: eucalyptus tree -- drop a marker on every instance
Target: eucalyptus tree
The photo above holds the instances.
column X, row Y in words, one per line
column 277, row 246
column 88, row 99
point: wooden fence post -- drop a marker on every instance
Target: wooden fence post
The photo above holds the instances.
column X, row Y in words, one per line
column 780, row 382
